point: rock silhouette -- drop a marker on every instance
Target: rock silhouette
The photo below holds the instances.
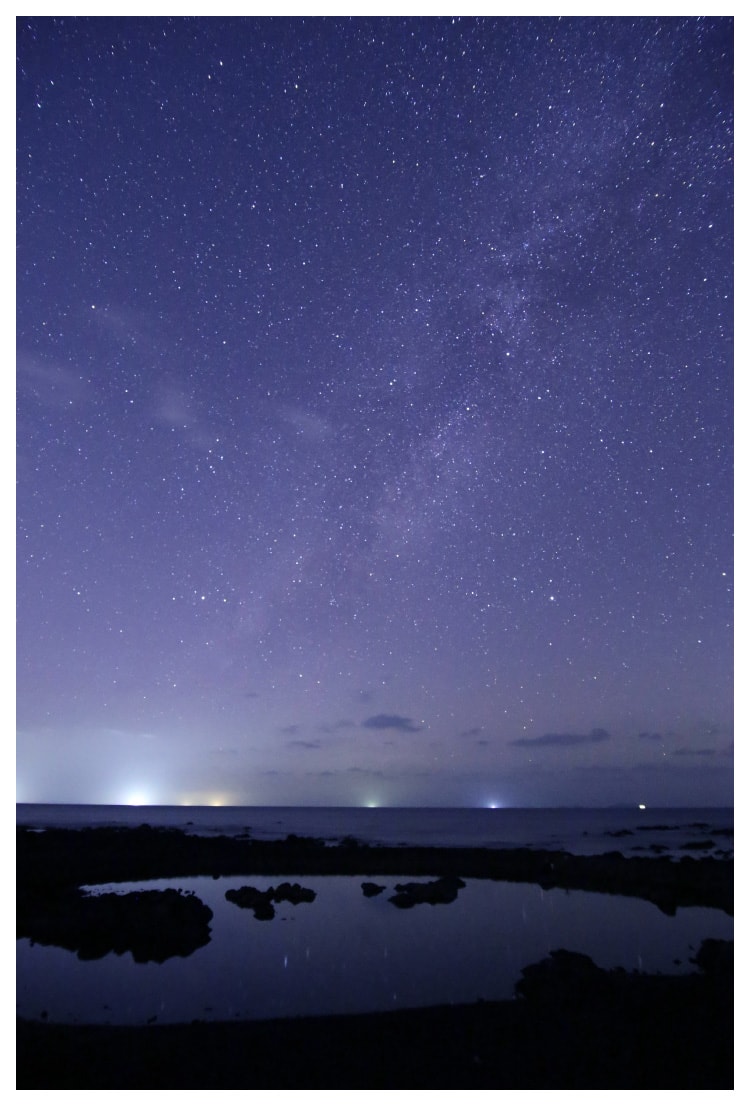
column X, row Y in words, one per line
column 151, row 925
column 261, row 902
column 443, row 890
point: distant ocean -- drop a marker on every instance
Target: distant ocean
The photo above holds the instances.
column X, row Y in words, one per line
column 584, row 831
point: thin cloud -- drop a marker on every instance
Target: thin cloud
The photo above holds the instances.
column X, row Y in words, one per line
column 391, row 722
column 562, row 739
column 52, row 384
column 305, row 744
column 306, row 424
column 343, row 724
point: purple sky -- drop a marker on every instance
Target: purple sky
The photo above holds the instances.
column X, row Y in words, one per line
column 375, row 411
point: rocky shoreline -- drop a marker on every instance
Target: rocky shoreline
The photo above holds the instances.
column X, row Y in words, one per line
column 66, row 858
column 572, row 1024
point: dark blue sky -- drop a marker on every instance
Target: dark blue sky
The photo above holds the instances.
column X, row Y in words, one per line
column 375, row 410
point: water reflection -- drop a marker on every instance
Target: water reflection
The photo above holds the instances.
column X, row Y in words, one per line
column 348, row 952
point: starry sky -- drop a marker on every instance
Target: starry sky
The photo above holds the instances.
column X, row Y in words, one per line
column 374, row 430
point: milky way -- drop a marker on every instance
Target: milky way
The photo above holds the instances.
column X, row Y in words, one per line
column 375, row 410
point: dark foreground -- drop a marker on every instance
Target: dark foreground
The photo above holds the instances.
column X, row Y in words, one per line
column 571, row 1026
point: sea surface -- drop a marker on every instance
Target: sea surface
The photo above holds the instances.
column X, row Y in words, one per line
column 347, row 953
column 584, row 831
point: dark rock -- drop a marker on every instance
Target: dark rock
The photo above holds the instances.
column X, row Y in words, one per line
column 716, row 957
column 151, row 925
column 264, row 911
column 369, row 890
column 443, row 890
column 350, row 842
column 304, row 842
column 560, row 976
column 293, row 893
column 250, row 898
column 261, row 902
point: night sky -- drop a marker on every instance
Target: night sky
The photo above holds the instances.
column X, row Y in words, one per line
column 375, row 411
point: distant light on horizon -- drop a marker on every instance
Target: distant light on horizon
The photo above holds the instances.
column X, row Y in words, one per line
column 137, row 798
column 208, row 798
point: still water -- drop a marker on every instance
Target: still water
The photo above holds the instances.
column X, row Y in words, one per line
column 346, row 953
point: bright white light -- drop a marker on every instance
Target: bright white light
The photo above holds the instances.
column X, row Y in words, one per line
column 137, row 798
column 641, row 806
